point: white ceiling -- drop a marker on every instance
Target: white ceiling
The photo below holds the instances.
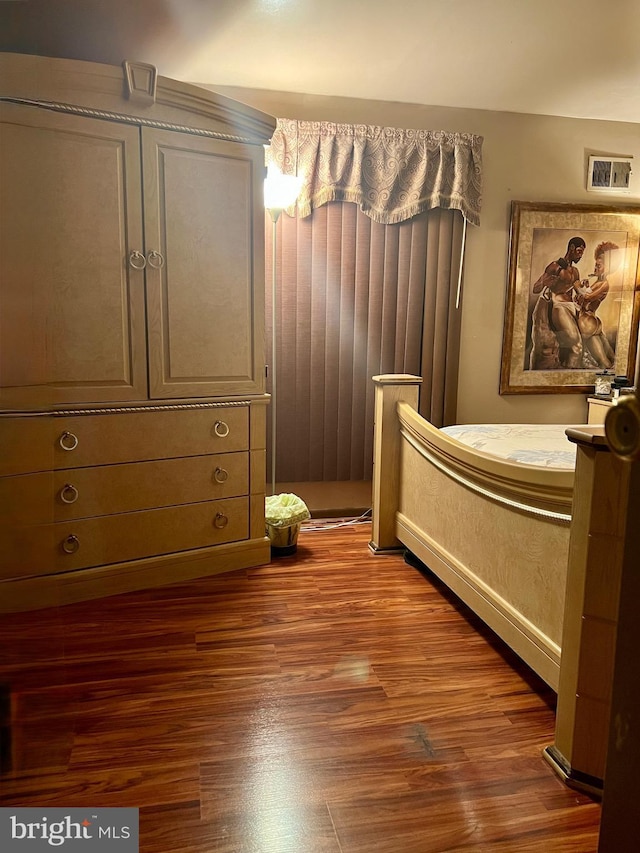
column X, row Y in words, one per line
column 577, row 58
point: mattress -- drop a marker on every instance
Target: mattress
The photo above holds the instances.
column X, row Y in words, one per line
column 541, row 445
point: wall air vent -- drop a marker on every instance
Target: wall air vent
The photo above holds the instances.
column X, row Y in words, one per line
column 609, row 174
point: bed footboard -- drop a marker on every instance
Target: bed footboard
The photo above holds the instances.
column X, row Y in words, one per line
column 495, row 532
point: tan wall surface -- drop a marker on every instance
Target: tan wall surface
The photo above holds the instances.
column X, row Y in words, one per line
column 526, row 158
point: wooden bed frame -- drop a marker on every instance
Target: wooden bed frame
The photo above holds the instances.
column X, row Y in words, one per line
column 538, row 554
column 495, row 532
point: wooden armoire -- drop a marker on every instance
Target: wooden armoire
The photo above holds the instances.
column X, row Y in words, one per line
column 132, row 370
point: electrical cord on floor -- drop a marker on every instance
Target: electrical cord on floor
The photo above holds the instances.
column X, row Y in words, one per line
column 352, row 522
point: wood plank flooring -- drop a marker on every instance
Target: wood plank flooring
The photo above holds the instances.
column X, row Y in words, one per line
column 331, row 702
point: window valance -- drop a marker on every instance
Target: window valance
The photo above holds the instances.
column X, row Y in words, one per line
column 391, row 173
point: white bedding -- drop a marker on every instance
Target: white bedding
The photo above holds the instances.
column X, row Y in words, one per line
column 542, row 445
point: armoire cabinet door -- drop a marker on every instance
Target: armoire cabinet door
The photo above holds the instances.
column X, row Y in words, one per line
column 204, row 220
column 72, row 323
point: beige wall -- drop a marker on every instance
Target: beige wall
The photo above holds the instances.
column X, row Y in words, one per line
column 526, row 158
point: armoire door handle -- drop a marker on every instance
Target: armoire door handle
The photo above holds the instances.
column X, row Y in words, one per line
column 137, row 260
column 155, row 259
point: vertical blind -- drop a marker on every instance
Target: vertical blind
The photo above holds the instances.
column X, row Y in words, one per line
column 356, row 298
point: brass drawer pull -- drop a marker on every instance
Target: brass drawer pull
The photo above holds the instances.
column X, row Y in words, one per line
column 220, row 520
column 68, row 441
column 221, row 429
column 71, row 544
column 221, row 475
column 68, row 494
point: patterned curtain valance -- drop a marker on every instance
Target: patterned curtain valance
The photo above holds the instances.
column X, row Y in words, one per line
column 393, row 174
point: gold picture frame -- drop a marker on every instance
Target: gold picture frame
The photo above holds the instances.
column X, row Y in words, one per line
column 570, row 314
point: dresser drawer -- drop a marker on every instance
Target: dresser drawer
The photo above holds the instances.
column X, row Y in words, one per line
column 30, row 444
column 26, row 444
column 70, row 545
column 107, row 489
column 86, row 492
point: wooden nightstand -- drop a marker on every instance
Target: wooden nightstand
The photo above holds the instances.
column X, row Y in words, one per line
column 597, row 408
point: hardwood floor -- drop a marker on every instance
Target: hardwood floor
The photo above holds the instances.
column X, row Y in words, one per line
column 331, row 702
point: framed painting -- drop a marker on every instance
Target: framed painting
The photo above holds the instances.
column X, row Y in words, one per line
column 573, row 296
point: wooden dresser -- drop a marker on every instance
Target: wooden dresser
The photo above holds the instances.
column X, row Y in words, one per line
column 597, row 408
column 132, row 397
